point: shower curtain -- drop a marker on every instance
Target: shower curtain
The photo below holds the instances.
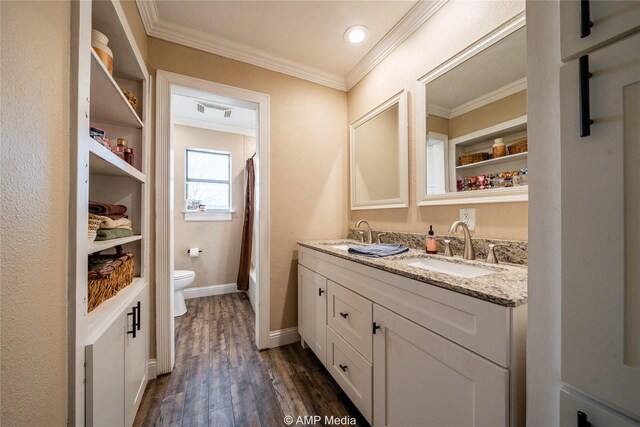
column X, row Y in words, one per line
column 247, row 230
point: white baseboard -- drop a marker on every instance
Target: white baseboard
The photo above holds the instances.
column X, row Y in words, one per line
column 283, row 337
column 206, row 291
column 151, row 369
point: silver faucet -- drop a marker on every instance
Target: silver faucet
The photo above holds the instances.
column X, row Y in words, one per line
column 469, row 253
column 369, row 238
column 491, row 254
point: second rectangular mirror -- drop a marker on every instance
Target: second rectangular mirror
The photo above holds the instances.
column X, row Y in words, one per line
column 379, row 157
column 471, row 140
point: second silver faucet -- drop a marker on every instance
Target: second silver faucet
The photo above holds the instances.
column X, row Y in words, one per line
column 369, row 239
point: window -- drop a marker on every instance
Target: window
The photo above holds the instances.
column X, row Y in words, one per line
column 209, row 178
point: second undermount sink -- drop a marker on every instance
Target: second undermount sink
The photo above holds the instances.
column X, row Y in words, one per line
column 452, row 268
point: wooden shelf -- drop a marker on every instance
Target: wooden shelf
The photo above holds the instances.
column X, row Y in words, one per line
column 108, row 103
column 102, row 316
column 497, row 161
column 518, row 124
column 103, row 161
column 106, row 244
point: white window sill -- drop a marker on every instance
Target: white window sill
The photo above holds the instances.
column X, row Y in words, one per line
column 207, row 215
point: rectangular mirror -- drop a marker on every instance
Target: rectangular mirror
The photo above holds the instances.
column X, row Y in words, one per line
column 471, row 130
column 379, row 157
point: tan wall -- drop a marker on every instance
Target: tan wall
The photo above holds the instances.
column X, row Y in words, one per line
column 499, row 111
column 455, row 26
column 136, row 25
column 34, row 208
column 438, row 124
column 218, row 240
column 308, row 143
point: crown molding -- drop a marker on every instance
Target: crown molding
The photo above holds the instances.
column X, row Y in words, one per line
column 161, row 29
column 408, row 25
column 503, row 92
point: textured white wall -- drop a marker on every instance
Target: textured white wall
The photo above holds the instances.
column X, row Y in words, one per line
column 34, row 212
column 543, row 338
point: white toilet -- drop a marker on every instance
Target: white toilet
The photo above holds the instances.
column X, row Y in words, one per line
column 181, row 279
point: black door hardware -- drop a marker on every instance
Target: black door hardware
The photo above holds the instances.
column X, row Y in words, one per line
column 344, row 315
column 320, row 292
column 375, row 326
column 585, row 108
column 585, row 19
column 582, row 420
column 343, row 367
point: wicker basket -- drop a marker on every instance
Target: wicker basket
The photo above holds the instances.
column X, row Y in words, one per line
column 133, row 100
column 94, row 224
column 519, row 147
column 467, row 159
column 108, row 274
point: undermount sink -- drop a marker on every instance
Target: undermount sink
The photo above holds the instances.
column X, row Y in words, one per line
column 452, row 268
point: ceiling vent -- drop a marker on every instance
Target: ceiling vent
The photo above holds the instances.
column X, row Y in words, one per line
column 202, row 105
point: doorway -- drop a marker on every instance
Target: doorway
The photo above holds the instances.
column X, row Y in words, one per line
column 169, row 87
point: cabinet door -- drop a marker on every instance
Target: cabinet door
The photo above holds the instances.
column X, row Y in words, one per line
column 611, row 20
column 105, row 377
column 349, row 314
column 423, row 379
column 312, row 291
column 135, row 357
column 601, row 228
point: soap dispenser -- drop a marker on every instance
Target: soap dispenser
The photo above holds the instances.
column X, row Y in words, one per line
column 432, row 243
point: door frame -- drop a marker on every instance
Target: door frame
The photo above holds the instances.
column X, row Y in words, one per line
column 165, row 84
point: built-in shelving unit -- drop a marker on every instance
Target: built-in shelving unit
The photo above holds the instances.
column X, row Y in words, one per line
column 481, row 141
column 99, row 174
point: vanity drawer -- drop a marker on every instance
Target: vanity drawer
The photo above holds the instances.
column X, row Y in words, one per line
column 351, row 371
column 350, row 315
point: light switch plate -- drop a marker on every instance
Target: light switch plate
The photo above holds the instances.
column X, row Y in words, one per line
column 468, row 216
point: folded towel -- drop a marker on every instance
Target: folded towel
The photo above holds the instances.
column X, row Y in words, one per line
column 100, row 208
column 378, row 251
column 115, row 223
column 112, row 233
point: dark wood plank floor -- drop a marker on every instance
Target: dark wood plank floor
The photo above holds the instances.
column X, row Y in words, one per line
column 221, row 379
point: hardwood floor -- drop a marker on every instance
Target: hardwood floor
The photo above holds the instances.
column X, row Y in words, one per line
column 221, row 379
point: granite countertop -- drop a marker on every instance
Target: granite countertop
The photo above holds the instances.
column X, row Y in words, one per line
column 506, row 287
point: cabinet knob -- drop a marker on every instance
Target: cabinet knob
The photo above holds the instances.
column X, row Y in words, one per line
column 343, row 367
column 582, row 420
column 585, row 19
column 344, row 315
column 133, row 322
column 375, row 326
column 320, row 292
column 585, row 109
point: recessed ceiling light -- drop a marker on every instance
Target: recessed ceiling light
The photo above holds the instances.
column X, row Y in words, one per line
column 356, row 34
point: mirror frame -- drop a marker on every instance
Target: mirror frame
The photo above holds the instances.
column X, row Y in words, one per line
column 402, row 201
column 514, row 194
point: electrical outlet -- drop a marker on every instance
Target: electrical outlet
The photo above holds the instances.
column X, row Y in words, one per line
column 468, row 216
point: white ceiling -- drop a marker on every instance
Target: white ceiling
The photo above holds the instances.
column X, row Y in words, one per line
column 299, row 38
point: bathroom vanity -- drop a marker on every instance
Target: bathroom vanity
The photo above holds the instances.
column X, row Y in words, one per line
column 417, row 339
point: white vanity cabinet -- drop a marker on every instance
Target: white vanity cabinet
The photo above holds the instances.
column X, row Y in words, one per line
column 116, row 366
column 409, row 353
column 312, row 311
column 421, row 378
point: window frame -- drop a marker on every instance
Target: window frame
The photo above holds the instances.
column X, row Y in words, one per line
column 229, row 182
